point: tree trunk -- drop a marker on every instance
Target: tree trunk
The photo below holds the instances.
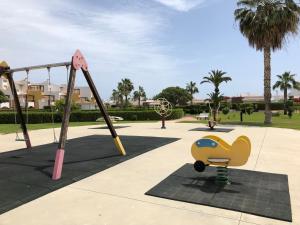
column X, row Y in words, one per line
column 285, row 101
column 122, row 102
column 139, row 102
column 267, row 85
column 214, row 113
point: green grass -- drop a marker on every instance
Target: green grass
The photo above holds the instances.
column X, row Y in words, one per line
column 257, row 119
column 11, row 128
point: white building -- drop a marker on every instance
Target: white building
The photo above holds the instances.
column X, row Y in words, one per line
column 21, row 87
column 294, row 93
column 42, row 94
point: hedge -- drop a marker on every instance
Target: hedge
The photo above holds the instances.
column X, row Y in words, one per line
column 202, row 108
column 196, row 109
column 85, row 116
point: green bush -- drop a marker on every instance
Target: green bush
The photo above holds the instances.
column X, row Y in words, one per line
column 246, row 108
column 235, row 106
column 274, row 106
column 249, row 110
column 84, row 116
column 195, row 109
column 225, row 110
column 290, row 112
column 33, row 117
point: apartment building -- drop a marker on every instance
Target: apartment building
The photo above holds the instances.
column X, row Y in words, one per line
column 21, row 87
column 44, row 94
column 4, row 87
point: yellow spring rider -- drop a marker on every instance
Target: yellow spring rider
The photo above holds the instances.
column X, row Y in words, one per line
column 212, row 150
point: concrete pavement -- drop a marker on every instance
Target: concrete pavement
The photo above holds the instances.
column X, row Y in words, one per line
column 116, row 196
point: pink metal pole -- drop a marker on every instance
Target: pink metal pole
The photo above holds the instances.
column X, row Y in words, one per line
column 59, row 160
column 78, row 62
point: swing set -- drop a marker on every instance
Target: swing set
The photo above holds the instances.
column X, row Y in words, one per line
column 78, row 62
column 36, row 96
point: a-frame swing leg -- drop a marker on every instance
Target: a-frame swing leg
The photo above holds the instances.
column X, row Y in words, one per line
column 59, row 158
column 78, row 62
column 101, row 106
column 19, row 110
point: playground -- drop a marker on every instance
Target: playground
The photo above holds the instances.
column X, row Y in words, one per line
column 164, row 170
column 150, row 112
column 115, row 187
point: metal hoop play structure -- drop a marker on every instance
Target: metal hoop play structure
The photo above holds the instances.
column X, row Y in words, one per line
column 164, row 109
column 78, row 62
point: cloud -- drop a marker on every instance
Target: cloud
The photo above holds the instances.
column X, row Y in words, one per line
column 116, row 42
column 181, row 5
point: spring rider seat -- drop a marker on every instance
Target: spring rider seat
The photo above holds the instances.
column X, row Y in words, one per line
column 212, row 150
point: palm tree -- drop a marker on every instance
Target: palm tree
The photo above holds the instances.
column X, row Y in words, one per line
column 286, row 81
column 192, row 89
column 216, row 77
column 139, row 94
column 125, row 87
column 266, row 24
column 117, row 97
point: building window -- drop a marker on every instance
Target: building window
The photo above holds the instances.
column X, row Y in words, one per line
column 36, row 88
column 77, row 91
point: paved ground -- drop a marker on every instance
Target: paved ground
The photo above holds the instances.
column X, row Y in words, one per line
column 116, row 196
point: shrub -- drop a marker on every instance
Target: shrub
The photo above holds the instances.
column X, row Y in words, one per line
column 225, row 110
column 235, row 106
column 274, row 106
column 290, row 111
column 33, row 117
column 195, row 109
column 60, row 105
column 82, row 116
column 134, row 117
column 249, row 110
column 246, row 108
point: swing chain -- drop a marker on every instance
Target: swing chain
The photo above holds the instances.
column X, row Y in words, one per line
column 50, row 105
column 15, row 113
column 18, row 138
column 67, row 67
column 27, row 86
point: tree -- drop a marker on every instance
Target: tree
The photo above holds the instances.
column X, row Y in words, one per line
column 3, row 97
column 59, row 105
column 286, row 81
column 216, row 78
column 266, row 24
column 117, row 97
column 245, row 108
column 175, row 95
column 139, row 94
column 125, row 87
column 192, row 89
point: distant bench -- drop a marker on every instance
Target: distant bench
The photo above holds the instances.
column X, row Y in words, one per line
column 202, row 116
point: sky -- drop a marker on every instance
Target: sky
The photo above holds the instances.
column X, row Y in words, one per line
column 155, row 43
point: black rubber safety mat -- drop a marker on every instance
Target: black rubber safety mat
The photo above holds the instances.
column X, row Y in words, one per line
column 258, row 193
column 105, row 127
column 217, row 129
column 26, row 174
